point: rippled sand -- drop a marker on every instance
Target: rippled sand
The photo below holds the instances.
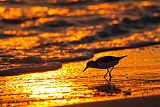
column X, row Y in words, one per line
column 135, row 76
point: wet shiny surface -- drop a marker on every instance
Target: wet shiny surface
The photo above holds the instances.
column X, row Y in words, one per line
column 135, row 75
column 73, row 30
column 54, row 30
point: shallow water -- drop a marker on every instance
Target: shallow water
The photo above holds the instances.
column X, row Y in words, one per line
column 70, row 31
column 136, row 75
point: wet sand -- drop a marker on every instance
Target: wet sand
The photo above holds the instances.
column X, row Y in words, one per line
column 137, row 75
column 72, row 32
column 145, row 62
column 149, row 101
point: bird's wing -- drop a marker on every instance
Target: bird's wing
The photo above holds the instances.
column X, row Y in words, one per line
column 105, row 58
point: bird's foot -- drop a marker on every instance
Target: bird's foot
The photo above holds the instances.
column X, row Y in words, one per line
column 104, row 76
column 110, row 76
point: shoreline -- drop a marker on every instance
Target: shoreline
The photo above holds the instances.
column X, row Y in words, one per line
column 31, row 68
column 145, row 101
column 44, row 68
column 140, row 61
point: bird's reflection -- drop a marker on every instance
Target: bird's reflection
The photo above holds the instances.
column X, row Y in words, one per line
column 109, row 88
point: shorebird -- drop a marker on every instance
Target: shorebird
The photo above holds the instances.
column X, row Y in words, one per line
column 105, row 62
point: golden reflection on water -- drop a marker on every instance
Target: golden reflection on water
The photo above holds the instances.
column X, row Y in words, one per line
column 16, row 45
column 59, row 87
column 13, row 32
column 34, row 11
column 122, row 42
column 42, row 11
column 39, row 21
column 144, row 3
column 71, row 34
column 19, row 43
column 78, row 33
column 69, row 85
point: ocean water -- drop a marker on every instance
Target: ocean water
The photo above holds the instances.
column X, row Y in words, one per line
column 62, row 31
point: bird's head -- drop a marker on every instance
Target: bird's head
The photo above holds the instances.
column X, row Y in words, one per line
column 91, row 64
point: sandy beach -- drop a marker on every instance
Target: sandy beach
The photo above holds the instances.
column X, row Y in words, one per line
column 137, row 75
column 143, row 68
column 46, row 44
column 151, row 101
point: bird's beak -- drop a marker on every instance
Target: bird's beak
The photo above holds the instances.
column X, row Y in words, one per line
column 85, row 69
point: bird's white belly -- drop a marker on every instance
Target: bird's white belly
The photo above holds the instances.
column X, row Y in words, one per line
column 108, row 64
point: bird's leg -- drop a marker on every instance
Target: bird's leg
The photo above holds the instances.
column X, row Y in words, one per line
column 110, row 79
column 106, row 74
column 110, row 72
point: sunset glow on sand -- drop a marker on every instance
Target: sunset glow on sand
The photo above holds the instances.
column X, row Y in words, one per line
column 45, row 45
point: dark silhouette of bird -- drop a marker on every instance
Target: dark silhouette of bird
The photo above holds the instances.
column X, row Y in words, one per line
column 105, row 62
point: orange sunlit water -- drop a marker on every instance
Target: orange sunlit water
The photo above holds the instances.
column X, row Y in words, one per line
column 39, row 11
column 69, row 84
column 73, row 32
column 18, row 43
